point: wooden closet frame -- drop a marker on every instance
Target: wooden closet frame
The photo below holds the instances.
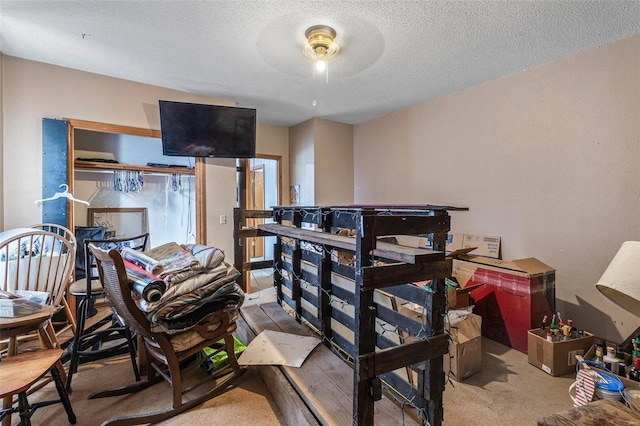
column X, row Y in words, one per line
column 198, row 172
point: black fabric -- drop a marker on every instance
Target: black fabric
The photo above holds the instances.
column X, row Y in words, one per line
column 85, row 233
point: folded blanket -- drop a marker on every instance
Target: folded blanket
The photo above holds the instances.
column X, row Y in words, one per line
column 193, row 294
column 194, row 282
column 186, row 311
column 208, row 258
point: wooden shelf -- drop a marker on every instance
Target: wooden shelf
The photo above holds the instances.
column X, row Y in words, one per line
column 98, row 165
column 386, row 250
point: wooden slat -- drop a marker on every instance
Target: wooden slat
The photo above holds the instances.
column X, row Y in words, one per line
column 113, row 128
column 384, row 250
column 333, row 240
column 262, row 264
column 390, row 275
column 403, row 322
column 411, row 293
column 251, row 233
column 410, row 353
column 409, row 224
column 98, row 165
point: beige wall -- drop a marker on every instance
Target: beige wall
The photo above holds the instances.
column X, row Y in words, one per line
column 333, row 163
column 274, row 140
column 321, row 155
column 301, row 158
column 1, row 140
column 33, row 91
column 546, row 158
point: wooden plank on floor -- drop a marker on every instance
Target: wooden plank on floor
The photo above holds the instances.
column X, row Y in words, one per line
column 292, row 408
column 324, row 381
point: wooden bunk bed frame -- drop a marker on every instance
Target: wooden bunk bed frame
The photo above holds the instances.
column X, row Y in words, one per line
column 394, row 354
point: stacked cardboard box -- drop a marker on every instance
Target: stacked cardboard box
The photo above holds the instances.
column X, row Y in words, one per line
column 465, row 349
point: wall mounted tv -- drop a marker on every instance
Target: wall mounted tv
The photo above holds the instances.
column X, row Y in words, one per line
column 198, row 130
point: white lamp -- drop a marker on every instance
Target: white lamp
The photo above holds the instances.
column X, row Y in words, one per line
column 620, row 282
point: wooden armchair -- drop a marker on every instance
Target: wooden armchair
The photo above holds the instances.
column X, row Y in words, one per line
column 38, row 260
column 165, row 354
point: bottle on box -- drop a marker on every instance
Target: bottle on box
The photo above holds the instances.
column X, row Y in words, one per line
column 635, row 371
column 600, row 351
column 610, row 359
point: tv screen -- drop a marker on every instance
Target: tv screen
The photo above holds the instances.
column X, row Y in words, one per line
column 198, row 130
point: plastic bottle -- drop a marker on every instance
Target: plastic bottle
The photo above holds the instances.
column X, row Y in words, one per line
column 573, row 332
column 600, row 353
column 610, row 359
column 622, row 368
column 635, row 372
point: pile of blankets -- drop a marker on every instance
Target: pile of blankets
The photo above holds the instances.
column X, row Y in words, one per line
column 194, row 293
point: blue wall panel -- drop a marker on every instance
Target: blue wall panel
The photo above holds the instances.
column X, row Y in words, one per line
column 54, row 170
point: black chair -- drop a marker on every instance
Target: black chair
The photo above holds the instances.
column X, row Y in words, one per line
column 85, row 233
column 109, row 336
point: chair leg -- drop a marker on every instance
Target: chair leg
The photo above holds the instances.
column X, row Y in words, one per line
column 75, row 346
column 64, row 396
column 23, row 404
column 67, row 312
column 132, row 352
column 231, row 353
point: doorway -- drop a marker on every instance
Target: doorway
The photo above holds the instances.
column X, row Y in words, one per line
column 263, row 193
column 256, row 198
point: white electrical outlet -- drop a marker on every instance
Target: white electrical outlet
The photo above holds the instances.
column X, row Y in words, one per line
column 223, row 219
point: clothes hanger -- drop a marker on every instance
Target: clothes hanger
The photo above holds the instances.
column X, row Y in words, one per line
column 64, row 194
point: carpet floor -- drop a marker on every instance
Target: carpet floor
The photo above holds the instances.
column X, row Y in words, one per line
column 507, row 391
column 248, row 402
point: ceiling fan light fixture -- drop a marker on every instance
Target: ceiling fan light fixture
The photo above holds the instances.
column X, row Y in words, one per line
column 320, row 42
column 321, row 65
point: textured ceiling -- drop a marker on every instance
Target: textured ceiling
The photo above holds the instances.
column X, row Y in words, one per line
column 393, row 54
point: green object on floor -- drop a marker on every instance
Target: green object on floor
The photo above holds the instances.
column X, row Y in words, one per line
column 219, row 358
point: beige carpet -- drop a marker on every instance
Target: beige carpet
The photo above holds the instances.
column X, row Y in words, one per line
column 508, row 391
column 247, row 403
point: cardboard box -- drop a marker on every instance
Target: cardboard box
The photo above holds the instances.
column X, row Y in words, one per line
column 458, row 298
column 483, row 245
column 556, row 358
column 514, row 296
column 465, row 348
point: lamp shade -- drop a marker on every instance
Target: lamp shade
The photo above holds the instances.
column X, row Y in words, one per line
column 620, row 282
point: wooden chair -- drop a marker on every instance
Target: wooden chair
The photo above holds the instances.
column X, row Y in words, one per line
column 63, row 231
column 38, row 260
column 164, row 359
column 19, row 373
column 68, row 322
column 89, row 342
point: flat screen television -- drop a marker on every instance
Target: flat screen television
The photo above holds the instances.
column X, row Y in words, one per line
column 198, row 130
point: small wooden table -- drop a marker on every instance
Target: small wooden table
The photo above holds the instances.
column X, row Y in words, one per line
column 12, row 328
